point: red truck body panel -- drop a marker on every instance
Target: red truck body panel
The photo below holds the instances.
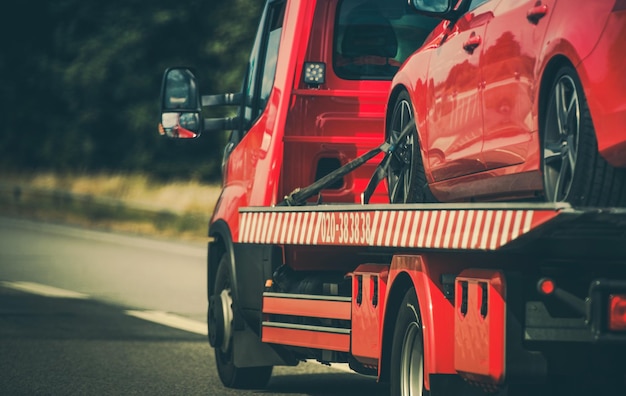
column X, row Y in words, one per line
column 480, row 326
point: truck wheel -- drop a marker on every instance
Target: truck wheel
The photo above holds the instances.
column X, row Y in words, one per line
column 220, row 318
column 406, row 180
column 573, row 171
column 407, row 351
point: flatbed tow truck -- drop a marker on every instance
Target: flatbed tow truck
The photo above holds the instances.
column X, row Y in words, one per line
column 439, row 299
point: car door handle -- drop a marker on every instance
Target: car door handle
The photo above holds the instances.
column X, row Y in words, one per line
column 472, row 42
column 537, row 12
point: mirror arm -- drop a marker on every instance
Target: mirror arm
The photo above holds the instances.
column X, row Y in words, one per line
column 455, row 15
column 220, row 124
column 222, row 99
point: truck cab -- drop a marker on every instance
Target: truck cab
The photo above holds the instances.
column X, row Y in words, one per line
column 313, row 98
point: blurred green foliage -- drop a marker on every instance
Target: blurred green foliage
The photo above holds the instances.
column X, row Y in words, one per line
column 80, row 81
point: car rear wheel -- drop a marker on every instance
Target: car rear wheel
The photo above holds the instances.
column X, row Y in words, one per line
column 573, row 171
column 406, row 180
column 221, row 336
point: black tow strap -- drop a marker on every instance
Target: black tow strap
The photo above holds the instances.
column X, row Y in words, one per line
column 381, row 170
column 299, row 196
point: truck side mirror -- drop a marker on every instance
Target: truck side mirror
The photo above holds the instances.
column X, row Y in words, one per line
column 180, row 104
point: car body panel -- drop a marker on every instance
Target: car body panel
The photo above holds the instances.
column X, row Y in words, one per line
column 602, row 73
column 512, row 46
column 453, row 148
column 518, row 57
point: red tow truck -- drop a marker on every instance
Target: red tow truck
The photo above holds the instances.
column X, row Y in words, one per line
column 308, row 261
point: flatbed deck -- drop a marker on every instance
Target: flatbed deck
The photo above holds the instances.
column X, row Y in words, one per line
column 519, row 227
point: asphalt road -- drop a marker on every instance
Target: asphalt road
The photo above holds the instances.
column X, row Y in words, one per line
column 93, row 313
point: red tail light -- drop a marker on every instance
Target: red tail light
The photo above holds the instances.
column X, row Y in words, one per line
column 546, row 286
column 617, row 312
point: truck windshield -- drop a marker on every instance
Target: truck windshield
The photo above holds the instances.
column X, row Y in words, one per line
column 373, row 37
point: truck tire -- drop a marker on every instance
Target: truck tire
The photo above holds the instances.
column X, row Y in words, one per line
column 220, row 318
column 406, row 180
column 573, row 171
column 407, row 351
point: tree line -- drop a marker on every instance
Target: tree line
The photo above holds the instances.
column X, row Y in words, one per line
column 81, row 80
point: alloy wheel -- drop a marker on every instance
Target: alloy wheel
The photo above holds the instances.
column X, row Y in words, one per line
column 562, row 132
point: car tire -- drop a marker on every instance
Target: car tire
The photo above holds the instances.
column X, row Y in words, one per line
column 573, row 171
column 407, row 350
column 406, row 180
column 231, row 375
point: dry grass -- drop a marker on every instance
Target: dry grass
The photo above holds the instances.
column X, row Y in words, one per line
column 122, row 202
column 134, row 189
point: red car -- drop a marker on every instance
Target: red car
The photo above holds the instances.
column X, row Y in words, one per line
column 513, row 99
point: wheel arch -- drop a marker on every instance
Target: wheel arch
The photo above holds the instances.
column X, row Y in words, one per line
column 595, row 182
column 419, row 189
column 393, row 96
column 547, row 79
column 253, row 353
column 436, row 311
column 401, row 284
column 222, row 243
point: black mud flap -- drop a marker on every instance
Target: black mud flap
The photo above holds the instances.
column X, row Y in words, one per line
column 255, row 264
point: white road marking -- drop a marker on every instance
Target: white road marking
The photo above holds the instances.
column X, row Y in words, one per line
column 171, row 320
column 164, row 318
column 44, row 290
column 160, row 317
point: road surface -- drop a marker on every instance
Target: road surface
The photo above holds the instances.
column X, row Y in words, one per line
column 92, row 313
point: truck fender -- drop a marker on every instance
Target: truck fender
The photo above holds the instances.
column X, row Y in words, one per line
column 249, row 351
column 436, row 313
column 221, row 243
